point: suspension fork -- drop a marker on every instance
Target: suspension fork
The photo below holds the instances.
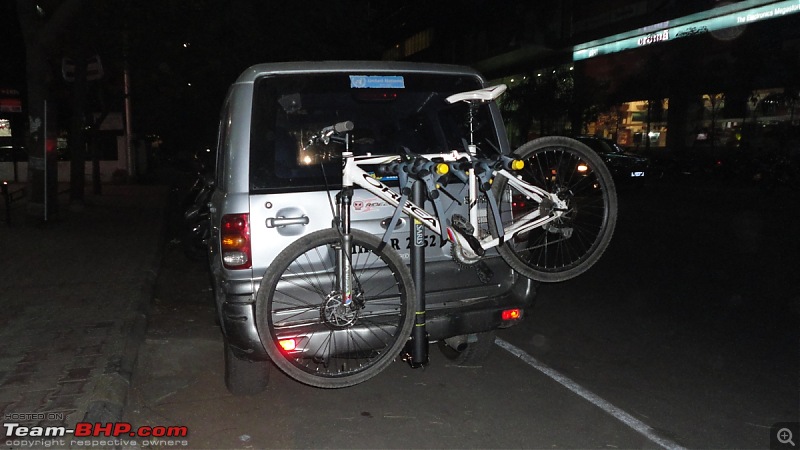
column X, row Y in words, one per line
column 344, row 273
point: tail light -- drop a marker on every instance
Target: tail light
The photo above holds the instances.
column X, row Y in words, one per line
column 511, row 314
column 287, row 344
column 235, row 240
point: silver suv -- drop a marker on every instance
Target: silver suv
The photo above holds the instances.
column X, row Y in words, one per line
column 269, row 192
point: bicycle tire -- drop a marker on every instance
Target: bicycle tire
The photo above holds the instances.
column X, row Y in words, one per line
column 571, row 244
column 335, row 347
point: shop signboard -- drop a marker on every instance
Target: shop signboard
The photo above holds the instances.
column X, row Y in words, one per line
column 10, row 105
column 725, row 18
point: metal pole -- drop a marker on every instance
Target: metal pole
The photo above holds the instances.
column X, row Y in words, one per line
column 126, row 79
column 44, row 142
column 419, row 335
column 7, row 199
column 14, row 162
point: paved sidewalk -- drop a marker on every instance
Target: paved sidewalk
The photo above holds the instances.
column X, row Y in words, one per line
column 73, row 294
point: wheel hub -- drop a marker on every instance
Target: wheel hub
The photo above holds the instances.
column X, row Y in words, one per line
column 335, row 313
column 563, row 212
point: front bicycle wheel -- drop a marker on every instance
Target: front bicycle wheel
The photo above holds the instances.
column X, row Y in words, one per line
column 569, row 245
column 311, row 334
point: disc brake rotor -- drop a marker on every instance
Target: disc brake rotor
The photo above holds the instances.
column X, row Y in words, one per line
column 335, row 313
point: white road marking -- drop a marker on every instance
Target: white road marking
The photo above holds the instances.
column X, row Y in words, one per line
column 637, row 425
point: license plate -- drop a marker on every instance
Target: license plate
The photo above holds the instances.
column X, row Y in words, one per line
column 637, row 174
column 432, row 243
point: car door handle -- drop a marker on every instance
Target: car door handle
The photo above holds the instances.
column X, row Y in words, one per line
column 274, row 222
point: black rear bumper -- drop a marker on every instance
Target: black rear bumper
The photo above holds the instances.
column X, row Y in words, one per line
column 445, row 320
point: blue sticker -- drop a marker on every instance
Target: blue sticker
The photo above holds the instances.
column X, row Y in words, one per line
column 384, row 177
column 377, row 81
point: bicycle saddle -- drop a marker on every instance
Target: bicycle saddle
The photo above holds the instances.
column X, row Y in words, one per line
column 479, row 95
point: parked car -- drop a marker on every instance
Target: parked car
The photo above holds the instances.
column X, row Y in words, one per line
column 269, row 192
column 627, row 169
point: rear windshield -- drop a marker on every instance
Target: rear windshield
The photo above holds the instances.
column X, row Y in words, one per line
column 388, row 111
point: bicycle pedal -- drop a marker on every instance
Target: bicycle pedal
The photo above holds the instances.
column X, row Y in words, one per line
column 465, row 229
column 461, row 223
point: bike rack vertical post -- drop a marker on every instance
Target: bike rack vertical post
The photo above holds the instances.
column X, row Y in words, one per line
column 419, row 335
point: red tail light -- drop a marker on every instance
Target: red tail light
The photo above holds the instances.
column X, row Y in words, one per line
column 288, row 344
column 511, row 314
column 235, row 240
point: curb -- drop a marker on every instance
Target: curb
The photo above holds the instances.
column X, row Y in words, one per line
column 109, row 397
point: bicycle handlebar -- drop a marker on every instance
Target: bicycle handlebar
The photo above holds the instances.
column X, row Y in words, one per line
column 341, row 127
column 332, row 131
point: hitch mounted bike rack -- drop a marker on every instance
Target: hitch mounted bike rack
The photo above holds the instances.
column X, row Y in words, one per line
column 416, row 351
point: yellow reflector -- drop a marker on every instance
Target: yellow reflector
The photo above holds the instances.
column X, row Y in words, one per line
column 517, row 164
column 442, row 169
column 583, row 168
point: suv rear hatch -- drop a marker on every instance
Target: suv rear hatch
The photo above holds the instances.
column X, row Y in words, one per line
column 292, row 184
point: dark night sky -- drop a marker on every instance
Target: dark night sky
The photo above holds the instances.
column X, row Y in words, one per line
column 12, row 51
column 185, row 53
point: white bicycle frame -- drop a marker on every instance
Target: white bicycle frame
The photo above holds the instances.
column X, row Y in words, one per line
column 353, row 175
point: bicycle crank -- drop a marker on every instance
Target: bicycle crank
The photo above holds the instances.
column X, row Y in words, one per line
column 460, row 234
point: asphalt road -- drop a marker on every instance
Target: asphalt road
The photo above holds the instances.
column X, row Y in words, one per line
column 685, row 334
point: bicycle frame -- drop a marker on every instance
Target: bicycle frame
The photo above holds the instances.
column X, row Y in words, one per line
column 353, row 175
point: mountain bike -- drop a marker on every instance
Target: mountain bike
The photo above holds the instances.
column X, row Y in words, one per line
column 337, row 305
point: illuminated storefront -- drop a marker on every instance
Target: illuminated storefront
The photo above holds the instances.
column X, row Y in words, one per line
column 715, row 105
column 726, row 22
column 11, row 134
